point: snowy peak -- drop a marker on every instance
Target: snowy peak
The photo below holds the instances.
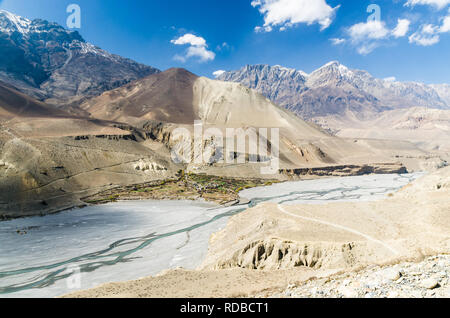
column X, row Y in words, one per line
column 333, row 65
column 47, row 61
column 289, row 70
column 263, row 72
column 38, row 28
column 336, row 89
column 332, row 73
column 10, row 22
column 272, row 81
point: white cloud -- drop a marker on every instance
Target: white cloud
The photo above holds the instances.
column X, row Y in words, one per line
column 367, row 48
column 373, row 30
column 259, row 29
column 191, row 39
column 439, row 4
column 223, row 46
column 197, row 48
column 287, row 13
column 445, row 24
column 427, row 35
column 201, row 52
column 367, row 36
column 179, row 58
column 430, row 34
column 402, row 28
column 218, row 73
column 338, row 41
column 390, row 79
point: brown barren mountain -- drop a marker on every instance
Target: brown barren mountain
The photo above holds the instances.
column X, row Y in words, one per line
column 16, row 104
column 166, row 97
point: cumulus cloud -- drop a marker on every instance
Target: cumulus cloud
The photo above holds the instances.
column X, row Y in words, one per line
column 373, row 30
column 367, row 36
column 201, row 52
column 402, row 28
column 283, row 14
column 445, row 24
column 439, row 4
column 197, row 48
column 338, row 41
column 429, row 34
column 218, row 73
column 190, row 39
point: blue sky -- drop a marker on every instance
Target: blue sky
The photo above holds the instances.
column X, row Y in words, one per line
column 410, row 42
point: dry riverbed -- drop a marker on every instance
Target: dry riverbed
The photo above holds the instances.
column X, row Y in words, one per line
column 340, row 249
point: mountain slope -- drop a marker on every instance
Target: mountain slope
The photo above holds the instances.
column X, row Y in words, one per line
column 166, row 96
column 176, row 98
column 276, row 83
column 46, row 61
column 27, row 117
column 180, row 97
column 428, row 128
column 443, row 90
column 15, row 104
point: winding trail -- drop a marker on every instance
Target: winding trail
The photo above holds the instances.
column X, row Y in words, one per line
column 341, row 227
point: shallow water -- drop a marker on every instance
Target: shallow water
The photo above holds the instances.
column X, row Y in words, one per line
column 83, row 248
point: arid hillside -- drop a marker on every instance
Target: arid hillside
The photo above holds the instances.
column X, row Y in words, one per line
column 52, row 159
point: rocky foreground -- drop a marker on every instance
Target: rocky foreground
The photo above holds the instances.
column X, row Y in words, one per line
column 426, row 279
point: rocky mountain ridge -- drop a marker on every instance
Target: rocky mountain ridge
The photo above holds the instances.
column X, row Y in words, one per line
column 48, row 62
column 335, row 89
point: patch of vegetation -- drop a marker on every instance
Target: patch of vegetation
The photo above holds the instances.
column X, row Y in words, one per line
column 187, row 186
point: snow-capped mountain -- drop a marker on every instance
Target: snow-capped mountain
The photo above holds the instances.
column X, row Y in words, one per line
column 46, row 61
column 443, row 91
column 334, row 89
column 10, row 23
column 274, row 82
